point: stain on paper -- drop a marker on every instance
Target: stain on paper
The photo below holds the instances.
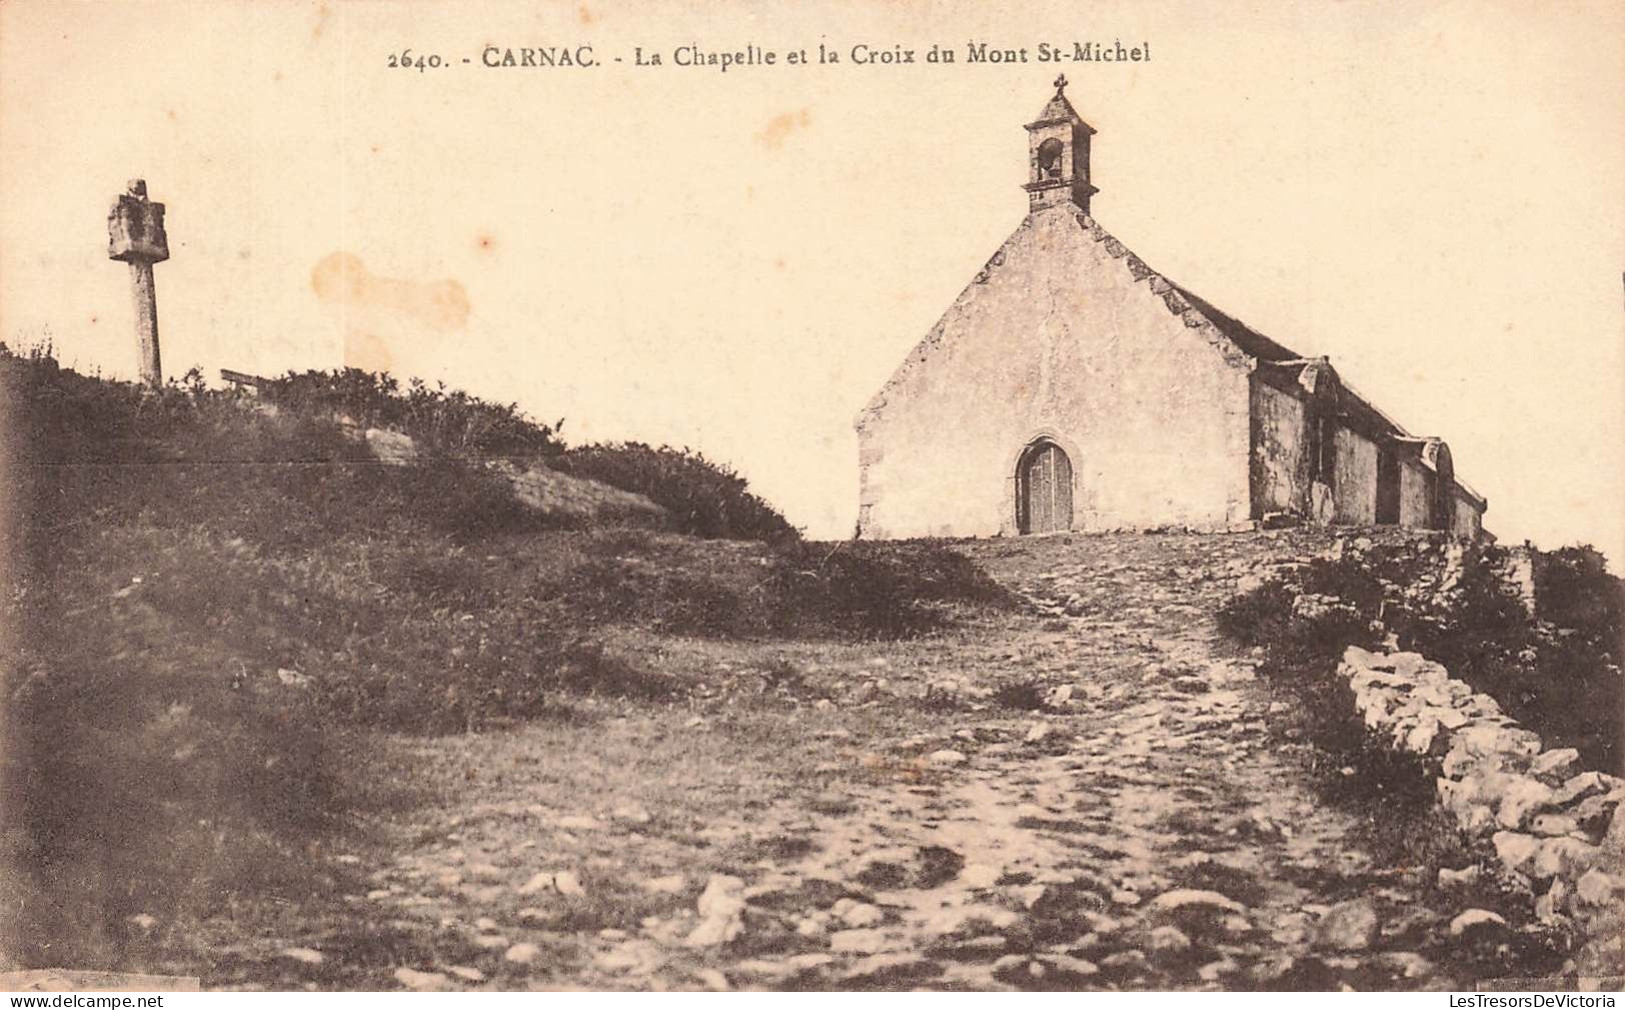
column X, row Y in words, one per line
column 377, row 309
column 781, row 126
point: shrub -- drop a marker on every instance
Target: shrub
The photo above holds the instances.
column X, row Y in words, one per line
column 450, row 422
column 1022, row 695
column 1559, row 675
column 846, row 590
column 703, row 498
column 867, row 590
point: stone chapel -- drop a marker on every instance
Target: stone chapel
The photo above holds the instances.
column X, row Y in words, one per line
column 1072, row 387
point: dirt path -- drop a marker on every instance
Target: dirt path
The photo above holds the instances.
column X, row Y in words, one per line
column 1151, row 835
column 1098, row 798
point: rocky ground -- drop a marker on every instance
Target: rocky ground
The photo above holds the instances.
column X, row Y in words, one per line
column 1098, row 792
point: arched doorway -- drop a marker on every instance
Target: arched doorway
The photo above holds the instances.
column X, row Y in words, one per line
column 1043, row 489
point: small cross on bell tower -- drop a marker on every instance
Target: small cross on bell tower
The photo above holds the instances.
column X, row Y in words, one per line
column 1058, row 155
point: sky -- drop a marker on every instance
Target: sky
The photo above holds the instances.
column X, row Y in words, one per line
column 1431, row 194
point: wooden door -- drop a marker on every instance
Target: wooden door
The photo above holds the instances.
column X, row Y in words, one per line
column 1044, row 490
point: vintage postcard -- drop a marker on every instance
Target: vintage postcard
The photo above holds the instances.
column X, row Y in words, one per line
column 581, row 495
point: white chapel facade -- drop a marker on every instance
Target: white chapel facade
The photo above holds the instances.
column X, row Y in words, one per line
column 1072, row 387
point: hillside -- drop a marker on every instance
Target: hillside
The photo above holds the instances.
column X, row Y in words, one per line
column 216, row 599
column 289, row 705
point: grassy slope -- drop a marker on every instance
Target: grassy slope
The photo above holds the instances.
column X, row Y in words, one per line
column 214, row 608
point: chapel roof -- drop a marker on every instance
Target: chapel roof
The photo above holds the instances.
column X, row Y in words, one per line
column 1364, row 415
column 1058, row 109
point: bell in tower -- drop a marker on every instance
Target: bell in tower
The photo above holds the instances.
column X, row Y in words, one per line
column 1058, row 154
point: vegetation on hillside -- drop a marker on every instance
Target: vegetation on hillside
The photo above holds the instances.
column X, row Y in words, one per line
column 1558, row 673
column 210, row 596
column 703, row 498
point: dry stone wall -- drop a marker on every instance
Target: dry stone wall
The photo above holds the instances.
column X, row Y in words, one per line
column 1554, row 827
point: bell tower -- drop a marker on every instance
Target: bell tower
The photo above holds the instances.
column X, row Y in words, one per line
column 1058, row 155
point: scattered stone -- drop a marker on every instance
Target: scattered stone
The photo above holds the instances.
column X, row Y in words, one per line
column 946, row 758
column 1595, row 888
column 1213, row 970
column 1010, row 963
column 890, row 969
column 1555, row 765
column 1597, row 814
column 422, row 981
column 1521, row 798
column 142, row 921
column 1563, row 855
column 1066, row 964
column 1347, row 925
column 1548, row 905
column 1515, row 850
column 1125, row 960
column 1476, row 920
column 712, row 979
column 1181, row 898
column 721, row 906
column 968, row 919
column 631, row 957
column 858, row 941
column 1038, row 733
column 466, row 973
column 1458, row 879
column 304, row 955
column 568, row 883
column 1578, row 787
column 522, row 953
column 1168, row 940
column 1549, row 825
column 809, row 962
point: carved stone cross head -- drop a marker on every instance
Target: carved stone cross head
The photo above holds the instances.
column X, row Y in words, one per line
column 135, row 227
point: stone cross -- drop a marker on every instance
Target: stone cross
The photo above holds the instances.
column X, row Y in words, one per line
column 135, row 234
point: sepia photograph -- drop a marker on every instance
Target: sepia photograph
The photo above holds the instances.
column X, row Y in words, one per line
column 843, row 496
